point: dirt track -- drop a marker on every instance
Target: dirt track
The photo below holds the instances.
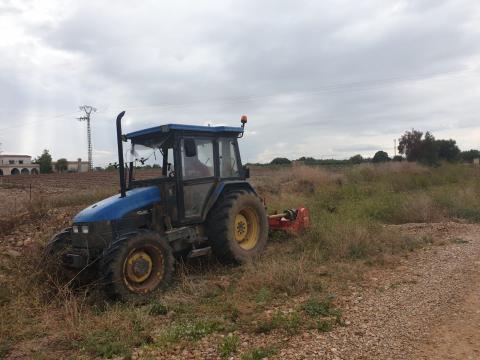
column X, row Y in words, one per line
column 426, row 308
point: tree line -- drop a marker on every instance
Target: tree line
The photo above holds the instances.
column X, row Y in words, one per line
column 413, row 145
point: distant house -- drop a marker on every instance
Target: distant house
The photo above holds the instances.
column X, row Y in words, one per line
column 74, row 166
column 17, row 164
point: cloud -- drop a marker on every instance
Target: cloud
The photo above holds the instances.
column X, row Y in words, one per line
column 324, row 78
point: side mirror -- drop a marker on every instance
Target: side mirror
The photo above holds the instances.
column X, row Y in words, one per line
column 190, row 147
column 246, row 171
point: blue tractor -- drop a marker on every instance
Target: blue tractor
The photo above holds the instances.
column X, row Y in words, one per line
column 201, row 202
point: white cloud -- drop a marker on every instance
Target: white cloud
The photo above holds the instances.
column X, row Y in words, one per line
column 325, row 79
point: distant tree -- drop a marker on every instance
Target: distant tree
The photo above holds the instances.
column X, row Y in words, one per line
column 380, row 156
column 398, row 158
column 417, row 147
column 468, row 156
column 429, row 150
column 61, row 165
column 45, row 162
column 356, row 159
column 410, row 144
column 448, row 150
column 280, row 161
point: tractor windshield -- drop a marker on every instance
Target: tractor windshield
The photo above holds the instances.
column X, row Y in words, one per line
column 151, row 160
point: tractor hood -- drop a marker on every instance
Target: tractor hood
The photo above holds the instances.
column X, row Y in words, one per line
column 115, row 207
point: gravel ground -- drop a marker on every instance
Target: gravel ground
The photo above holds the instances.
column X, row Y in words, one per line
column 400, row 314
column 426, row 307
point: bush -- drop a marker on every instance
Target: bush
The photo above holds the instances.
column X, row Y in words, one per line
column 280, row 161
column 380, row 157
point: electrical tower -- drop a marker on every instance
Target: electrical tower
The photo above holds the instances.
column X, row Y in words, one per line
column 88, row 110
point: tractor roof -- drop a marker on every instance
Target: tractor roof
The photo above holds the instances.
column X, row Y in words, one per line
column 189, row 129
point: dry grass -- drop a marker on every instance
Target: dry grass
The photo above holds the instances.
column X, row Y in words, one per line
column 349, row 209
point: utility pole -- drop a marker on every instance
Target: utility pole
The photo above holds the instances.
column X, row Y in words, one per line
column 88, row 110
column 395, row 147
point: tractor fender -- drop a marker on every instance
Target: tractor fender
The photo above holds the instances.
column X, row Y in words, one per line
column 220, row 188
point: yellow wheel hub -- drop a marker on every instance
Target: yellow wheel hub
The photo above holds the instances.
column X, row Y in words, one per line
column 138, row 266
column 246, row 228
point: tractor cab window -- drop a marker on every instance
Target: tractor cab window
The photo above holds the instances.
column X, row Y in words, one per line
column 156, row 157
column 197, row 158
column 228, row 158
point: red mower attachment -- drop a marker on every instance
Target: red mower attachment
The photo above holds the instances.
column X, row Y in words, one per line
column 291, row 220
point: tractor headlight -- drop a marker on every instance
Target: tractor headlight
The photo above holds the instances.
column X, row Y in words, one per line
column 84, row 229
column 75, row 229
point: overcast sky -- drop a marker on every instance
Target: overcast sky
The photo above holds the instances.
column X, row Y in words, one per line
column 327, row 79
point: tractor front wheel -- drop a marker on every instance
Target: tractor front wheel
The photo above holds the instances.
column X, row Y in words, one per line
column 137, row 266
column 237, row 227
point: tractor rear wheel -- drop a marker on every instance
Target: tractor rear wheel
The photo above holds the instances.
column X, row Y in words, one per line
column 237, row 227
column 137, row 266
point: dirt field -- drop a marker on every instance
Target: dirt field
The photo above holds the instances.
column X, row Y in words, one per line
column 372, row 280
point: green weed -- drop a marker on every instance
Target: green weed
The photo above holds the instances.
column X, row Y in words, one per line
column 228, row 346
column 258, row 353
column 288, row 322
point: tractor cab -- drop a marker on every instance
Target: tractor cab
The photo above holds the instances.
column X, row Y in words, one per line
column 192, row 161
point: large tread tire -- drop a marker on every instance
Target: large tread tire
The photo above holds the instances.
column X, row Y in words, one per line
column 58, row 243
column 53, row 252
column 114, row 259
column 221, row 224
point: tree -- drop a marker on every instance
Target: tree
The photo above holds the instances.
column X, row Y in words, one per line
column 429, row 150
column 448, row 150
column 416, row 148
column 61, row 165
column 410, row 144
column 380, row 156
column 468, row 156
column 397, row 158
column 280, row 161
column 45, row 162
column 356, row 159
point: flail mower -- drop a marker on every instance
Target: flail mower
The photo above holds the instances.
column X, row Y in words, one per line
column 201, row 203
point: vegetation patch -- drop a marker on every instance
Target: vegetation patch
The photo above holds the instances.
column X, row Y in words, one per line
column 289, row 322
column 259, row 353
column 192, row 331
column 106, row 344
column 228, row 346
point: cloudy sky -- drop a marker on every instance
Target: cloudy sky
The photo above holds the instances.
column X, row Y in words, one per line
column 327, row 79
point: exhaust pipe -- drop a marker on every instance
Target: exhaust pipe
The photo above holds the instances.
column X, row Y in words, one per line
column 121, row 165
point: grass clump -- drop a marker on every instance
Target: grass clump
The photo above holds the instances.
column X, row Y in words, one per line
column 106, row 344
column 158, row 308
column 290, row 323
column 228, row 346
column 323, row 312
column 315, row 307
column 324, row 325
column 193, row 331
column 263, row 295
column 258, row 353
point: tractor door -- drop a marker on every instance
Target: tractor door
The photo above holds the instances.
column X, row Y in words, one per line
column 198, row 175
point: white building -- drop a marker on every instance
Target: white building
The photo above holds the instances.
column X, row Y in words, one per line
column 17, row 164
column 74, row 166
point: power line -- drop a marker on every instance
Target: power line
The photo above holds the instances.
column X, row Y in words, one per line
column 328, row 88
column 42, row 118
column 88, row 110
